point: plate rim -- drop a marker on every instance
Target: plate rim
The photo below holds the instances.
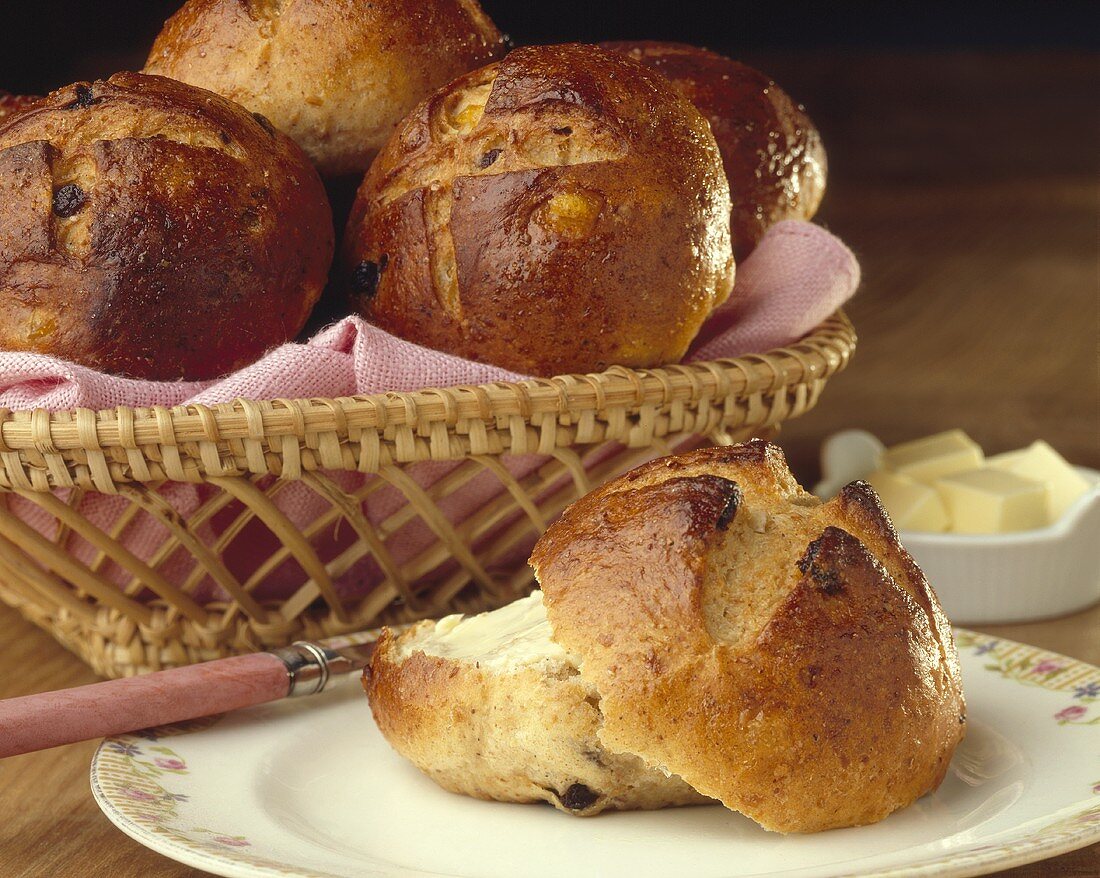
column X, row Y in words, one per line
column 1071, row 828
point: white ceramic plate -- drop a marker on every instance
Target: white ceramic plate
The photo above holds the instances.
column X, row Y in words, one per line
column 310, row 788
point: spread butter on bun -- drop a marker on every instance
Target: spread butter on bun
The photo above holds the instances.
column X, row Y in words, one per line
column 491, row 707
column 336, row 75
column 705, row 624
column 772, row 152
column 155, row 230
column 562, row 210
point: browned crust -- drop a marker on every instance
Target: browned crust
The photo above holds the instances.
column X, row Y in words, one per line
column 155, row 230
column 458, row 239
column 336, row 75
column 842, row 705
column 771, row 150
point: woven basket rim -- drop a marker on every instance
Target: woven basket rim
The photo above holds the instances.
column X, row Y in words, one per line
column 818, row 354
column 577, row 431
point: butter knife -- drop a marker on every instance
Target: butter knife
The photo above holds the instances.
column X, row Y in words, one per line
column 98, row 710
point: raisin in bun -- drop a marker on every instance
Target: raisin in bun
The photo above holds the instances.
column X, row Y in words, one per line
column 11, row 104
column 706, row 630
column 336, row 75
column 559, row 211
column 155, row 230
column 772, row 152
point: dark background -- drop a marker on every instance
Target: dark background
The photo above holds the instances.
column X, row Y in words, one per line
column 48, row 43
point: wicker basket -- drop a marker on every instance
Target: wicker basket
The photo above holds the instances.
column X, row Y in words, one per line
column 126, row 611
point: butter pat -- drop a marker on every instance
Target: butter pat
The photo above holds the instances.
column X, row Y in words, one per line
column 911, row 504
column 514, row 636
column 1042, row 463
column 992, row 501
column 933, row 457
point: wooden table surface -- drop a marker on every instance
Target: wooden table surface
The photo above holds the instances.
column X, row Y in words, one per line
column 966, row 185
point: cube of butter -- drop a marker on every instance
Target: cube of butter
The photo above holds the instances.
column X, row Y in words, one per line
column 1042, row 463
column 930, row 458
column 993, row 501
column 911, row 504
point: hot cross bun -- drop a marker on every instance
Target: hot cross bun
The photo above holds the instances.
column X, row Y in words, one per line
column 336, row 75
column 155, row 230
column 559, row 211
column 706, row 630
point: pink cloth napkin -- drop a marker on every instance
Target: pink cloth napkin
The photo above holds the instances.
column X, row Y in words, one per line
column 797, row 275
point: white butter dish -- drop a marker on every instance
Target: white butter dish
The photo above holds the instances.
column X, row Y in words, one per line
column 985, row 579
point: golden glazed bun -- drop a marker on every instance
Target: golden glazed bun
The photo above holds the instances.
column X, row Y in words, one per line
column 772, row 152
column 336, row 75
column 706, row 630
column 559, row 211
column 490, row 707
column 782, row 655
column 155, row 230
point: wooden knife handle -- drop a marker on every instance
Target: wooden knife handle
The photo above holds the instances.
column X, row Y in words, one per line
column 37, row 722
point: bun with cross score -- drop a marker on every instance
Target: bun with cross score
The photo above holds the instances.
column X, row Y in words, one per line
column 706, row 629
column 155, row 230
column 561, row 210
column 336, row 75
column 773, row 156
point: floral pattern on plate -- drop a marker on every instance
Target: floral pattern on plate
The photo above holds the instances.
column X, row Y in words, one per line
column 138, row 781
column 135, row 772
column 1047, row 670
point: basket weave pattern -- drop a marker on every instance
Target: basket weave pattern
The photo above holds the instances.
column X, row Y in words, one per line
column 584, row 429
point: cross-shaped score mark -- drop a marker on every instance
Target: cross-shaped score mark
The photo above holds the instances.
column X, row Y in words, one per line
column 465, row 142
